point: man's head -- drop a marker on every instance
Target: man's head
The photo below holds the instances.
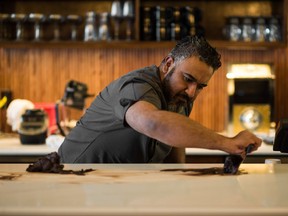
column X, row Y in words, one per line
column 187, row 69
column 196, row 46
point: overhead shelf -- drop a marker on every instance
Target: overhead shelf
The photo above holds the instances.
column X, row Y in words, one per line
column 212, row 13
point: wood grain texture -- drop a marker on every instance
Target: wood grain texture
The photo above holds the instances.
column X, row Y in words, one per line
column 40, row 75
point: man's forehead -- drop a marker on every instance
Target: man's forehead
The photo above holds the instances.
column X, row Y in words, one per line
column 196, row 68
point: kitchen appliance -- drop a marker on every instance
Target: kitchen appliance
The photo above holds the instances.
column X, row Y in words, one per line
column 281, row 137
column 33, row 127
column 253, row 117
column 75, row 94
column 251, row 97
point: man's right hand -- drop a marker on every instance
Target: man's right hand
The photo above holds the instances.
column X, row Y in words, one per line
column 238, row 143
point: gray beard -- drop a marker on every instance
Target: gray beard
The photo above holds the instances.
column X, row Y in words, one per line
column 181, row 108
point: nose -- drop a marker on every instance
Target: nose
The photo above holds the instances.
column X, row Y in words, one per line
column 191, row 89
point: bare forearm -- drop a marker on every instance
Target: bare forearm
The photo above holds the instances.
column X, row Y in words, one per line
column 180, row 131
column 172, row 128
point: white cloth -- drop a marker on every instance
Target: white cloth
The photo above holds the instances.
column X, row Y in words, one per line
column 15, row 110
column 54, row 141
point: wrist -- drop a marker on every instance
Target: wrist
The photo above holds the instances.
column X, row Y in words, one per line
column 223, row 143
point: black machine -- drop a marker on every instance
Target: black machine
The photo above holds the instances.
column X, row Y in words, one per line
column 74, row 96
column 33, row 127
column 281, row 137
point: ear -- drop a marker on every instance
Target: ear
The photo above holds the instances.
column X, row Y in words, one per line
column 168, row 64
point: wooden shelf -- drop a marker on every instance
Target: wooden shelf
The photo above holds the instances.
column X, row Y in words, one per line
column 212, row 19
column 135, row 45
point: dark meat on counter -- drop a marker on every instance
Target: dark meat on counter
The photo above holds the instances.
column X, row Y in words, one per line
column 51, row 164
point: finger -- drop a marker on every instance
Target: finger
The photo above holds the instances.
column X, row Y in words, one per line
column 249, row 148
column 255, row 147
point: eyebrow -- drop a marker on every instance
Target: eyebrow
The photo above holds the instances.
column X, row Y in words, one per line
column 193, row 79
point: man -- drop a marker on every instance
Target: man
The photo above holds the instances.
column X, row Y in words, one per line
column 142, row 117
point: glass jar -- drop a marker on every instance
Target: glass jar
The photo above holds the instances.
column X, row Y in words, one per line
column 232, row 30
column 90, row 32
column 104, row 32
column 261, row 30
column 248, row 30
column 274, row 30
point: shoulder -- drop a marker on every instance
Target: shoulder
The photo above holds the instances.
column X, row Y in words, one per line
column 147, row 75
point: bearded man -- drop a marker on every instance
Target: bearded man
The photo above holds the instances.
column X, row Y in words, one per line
column 143, row 117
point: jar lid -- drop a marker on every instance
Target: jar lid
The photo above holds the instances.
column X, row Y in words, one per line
column 247, row 20
column 233, row 20
column 260, row 20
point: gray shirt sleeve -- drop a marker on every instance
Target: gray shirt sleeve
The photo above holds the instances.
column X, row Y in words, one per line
column 132, row 93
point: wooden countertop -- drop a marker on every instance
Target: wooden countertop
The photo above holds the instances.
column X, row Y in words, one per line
column 145, row 189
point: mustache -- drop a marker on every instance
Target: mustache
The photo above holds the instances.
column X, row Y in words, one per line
column 185, row 97
column 181, row 103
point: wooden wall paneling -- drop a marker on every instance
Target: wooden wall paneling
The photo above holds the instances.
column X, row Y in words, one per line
column 40, row 75
column 210, row 106
column 281, row 87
